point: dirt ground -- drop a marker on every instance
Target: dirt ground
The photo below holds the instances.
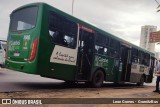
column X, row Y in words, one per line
column 117, row 92
column 107, row 91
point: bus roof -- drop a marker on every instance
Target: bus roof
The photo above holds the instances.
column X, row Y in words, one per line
column 27, row 5
column 85, row 24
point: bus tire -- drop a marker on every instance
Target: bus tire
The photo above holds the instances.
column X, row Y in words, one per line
column 142, row 80
column 97, row 79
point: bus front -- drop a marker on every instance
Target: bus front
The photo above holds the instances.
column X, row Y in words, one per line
column 23, row 39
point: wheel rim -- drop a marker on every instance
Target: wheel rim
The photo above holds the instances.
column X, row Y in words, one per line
column 98, row 79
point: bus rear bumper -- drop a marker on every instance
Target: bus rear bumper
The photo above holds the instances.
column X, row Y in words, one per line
column 26, row 67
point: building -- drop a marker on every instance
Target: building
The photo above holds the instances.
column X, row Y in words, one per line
column 144, row 40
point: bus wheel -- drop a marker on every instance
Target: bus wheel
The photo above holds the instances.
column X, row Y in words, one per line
column 97, row 79
column 142, row 80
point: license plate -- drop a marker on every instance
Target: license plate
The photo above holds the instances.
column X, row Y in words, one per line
column 16, row 54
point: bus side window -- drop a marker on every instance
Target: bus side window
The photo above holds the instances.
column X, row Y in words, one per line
column 96, row 49
column 114, row 48
column 140, row 56
column 100, row 50
column 134, row 55
column 113, row 53
column 105, row 51
column 107, row 41
column 62, row 31
column 100, row 39
column 148, row 59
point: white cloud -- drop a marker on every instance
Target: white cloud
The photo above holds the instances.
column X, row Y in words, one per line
column 122, row 18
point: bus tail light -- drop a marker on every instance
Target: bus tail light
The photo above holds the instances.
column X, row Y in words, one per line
column 34, row 50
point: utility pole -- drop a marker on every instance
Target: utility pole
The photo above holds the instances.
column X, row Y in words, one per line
column 72, row 6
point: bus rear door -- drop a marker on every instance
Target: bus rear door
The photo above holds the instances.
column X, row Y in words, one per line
column 85, row 54
column 151, row 70
column 126, row 62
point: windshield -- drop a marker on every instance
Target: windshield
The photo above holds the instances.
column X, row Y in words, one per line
column 24, row 19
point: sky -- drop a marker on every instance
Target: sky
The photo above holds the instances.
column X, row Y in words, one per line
column 122, row 18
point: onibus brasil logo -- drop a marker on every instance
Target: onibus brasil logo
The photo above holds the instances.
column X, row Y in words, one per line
column 22, row 101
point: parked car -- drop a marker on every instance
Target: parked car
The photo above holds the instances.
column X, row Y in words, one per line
column 2, row 53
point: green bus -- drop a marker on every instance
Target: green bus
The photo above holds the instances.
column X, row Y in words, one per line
column 45, row 41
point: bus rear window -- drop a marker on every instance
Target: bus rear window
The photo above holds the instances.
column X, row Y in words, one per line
column 24, row 19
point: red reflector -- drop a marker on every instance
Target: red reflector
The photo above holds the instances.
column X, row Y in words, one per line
column 86, row 29
column 33, row 51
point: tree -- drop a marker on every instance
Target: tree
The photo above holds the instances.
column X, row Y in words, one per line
column 158, row 5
